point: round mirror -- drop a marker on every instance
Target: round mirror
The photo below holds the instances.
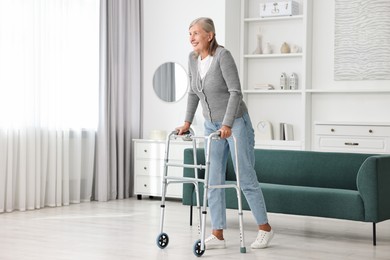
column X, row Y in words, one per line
column 170, row 82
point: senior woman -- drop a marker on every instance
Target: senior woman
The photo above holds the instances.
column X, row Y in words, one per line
column 215, row 84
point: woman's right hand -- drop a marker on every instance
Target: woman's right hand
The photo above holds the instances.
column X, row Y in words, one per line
column 183, row 129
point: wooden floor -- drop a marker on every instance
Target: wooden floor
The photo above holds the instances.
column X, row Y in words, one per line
column 127, row 229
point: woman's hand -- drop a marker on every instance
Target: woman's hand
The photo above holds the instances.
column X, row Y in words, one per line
column 225, row 131
column 183, row 129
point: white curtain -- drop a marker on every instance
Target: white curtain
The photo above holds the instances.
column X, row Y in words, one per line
column 49, row 87
column 120, row 97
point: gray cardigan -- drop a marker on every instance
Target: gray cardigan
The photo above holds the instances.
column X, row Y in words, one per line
column 219, row 92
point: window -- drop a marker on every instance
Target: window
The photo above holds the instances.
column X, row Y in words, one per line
column 49, row 64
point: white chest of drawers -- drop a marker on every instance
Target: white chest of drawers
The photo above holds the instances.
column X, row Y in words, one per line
column 352, row 137
column 149, row 167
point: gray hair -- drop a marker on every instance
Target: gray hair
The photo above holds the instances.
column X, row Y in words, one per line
column 207, row 24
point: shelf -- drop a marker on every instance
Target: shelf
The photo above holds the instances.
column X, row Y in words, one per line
column 279, row 144
column 316, row 91
column 275, row 55
column 348, row 91
column 273, row 18
column 272, row 91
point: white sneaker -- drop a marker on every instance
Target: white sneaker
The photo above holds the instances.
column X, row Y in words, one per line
column 212, row 242
column 263, row 239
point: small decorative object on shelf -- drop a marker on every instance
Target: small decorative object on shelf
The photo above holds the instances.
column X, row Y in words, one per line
column 267, row 48
column 285, row 48
column 264, row 131
column 158, row 135
column 283, row 81
column 258, row 48
column 281, row 8
column 293, row 81
column 264, row 87
column 295, row 48
column 286, row 132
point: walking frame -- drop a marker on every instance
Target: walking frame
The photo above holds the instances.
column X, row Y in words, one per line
column 199, row 246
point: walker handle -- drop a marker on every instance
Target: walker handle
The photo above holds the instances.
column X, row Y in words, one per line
column 186, row 136
column 216, row 135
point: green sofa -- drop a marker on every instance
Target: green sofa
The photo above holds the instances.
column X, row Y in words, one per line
column 348, row 186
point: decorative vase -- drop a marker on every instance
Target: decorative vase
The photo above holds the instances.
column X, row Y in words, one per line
column 258, row 48
column 285, row 48
column 267, row 48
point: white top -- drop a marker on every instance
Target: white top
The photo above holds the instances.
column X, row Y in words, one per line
column 204, row 65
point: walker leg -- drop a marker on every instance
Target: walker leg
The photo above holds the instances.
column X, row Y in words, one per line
column 163, row 205
column 241, row 222
column 238, row 190
column 162, row 239
column 203, row 221
column 199, row 246
column 199, row 211
column 196, row 184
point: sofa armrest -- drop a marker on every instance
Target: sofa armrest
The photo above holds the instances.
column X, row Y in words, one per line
column 373, row 183
column 188, row 189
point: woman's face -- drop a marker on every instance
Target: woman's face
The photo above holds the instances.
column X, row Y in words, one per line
column 200, row 39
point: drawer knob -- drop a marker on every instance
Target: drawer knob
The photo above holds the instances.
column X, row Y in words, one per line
column 370, row 131
column 145, row 151
column 332, row 130
column 145, row 185
column 351, row 144
column 145, row 168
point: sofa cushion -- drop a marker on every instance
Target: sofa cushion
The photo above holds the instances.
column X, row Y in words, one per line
column 300, row 200
column 308, row 168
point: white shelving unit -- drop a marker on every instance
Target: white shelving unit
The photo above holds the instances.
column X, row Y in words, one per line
column 277, row 106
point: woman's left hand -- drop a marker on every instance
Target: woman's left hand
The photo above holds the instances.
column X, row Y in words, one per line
column 225, row 131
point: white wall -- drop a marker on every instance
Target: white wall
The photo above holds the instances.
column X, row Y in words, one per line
column 323, row 51
column 166, row 38
column 353, row 107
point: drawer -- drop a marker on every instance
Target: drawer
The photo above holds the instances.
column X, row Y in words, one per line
column 148, row 185
column 352, row 130
column 150, row 150
column 355, row 144
column 149, row 167
column 156, row 168
column 157, row 150
column 151, row 185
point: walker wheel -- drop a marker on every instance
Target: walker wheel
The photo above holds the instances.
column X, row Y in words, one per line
column 197, row 251
column 162, row 240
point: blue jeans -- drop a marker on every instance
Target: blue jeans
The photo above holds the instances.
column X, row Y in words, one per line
column 243, row 131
